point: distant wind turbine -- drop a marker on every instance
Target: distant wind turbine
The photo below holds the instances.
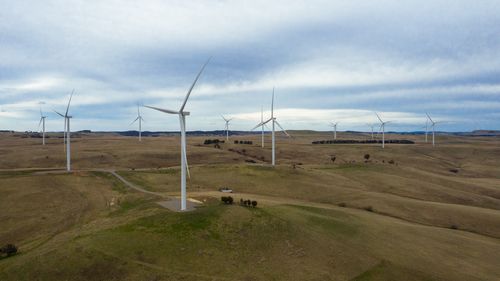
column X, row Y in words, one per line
column 334, row 126
column 274, row 122
column 371, row 126
column 382, row 127
column 42, row 122
column 227, row 126
column 433, row 125
column 182, row 118
column 67, row 130
column 139, row 117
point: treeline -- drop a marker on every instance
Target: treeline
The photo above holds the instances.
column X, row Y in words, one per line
column 214, row 141
column 243, row 142
column 361, row 141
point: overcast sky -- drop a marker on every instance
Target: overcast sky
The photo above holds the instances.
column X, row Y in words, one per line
column 329, row 61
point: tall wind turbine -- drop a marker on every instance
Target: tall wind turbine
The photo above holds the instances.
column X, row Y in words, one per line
column 227, row 126
column 42, row 122
column 382, row 127
column 67, row 130
column 139, row 117
column 334, row 126
column 182, row 118
column 433, row 125
column 274, row 122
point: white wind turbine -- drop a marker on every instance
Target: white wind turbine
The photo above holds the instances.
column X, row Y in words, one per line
column 42, row 122
column 334, row 126
column 274, row 122
column 371, row 126
column 433, row 125
column 139, row 117
column 182, row 118
column 382, row 127
column 67, row 133
column 227, row 126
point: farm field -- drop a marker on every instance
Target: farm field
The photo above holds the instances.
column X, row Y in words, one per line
column 325, row 212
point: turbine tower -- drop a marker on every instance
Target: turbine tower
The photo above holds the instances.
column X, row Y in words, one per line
column 426, row 128
column 67, row 130
column 139, row 117
column 182, row 118
column 433, row 125
column 274, row 122
column 42, row 122
column 334, row 126
column 382, row 127
column 227, row 126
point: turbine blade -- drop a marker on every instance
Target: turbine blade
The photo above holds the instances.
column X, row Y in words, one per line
column 70, row 97
column 192, row 86
column 272, row 105
column 223, row 117
column 134, row 120
column 40, row 123
column 142, row 118
column 284, row 131
column 258, row 125
column 59, row 114
column 163, row 110
column 429, row 117
column 379, row 118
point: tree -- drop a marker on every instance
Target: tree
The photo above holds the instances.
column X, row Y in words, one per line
column 254, row 203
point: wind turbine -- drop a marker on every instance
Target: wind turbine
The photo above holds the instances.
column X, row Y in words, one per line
column 227, row 126
column 433, row 125
column 371, row 126
column 67, row 133
column 382, row 127
column 274, row 122
column 42, row 122
column 334, row 126
column 139, row 117
column 182, row 118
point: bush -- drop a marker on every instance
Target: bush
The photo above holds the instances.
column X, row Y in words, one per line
column 333, row 158
column 367, row 157
column 227, row 200
column 9, row 249
column 254, row 203
column 453, row 226
column 369, row 209
column 236, row 142
column 391, row 161
column 342, row 204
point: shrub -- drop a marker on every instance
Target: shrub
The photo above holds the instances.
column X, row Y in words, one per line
column 342, row 204
column 227, row 200
column 333, row 158
column 9, row 249
column 453, row 226
column 391, row 161
column 241, row 201
column 254, row 203
column 367, row 157
column 368, row 208
column 236, row 142
column 454, row 170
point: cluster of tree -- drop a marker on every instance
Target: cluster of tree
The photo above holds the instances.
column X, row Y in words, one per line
column 362, row 141
column 243, row 142
column 227, row 200
column 248, row 203
column 9, row 250
column 215, row 141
